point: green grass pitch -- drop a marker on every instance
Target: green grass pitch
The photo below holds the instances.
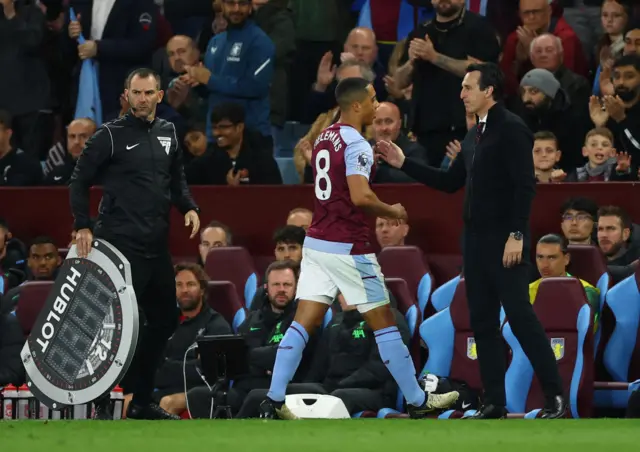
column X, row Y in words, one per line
column 601, row 435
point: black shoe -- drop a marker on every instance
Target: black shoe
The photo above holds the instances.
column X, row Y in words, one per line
column 432, row 402
column 103, row 412
column 268, row 409
column 150, row 412
column 555, row 408
column 490, row 412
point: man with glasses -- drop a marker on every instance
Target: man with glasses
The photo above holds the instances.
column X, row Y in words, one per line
column 238, row 67
column 578, row 219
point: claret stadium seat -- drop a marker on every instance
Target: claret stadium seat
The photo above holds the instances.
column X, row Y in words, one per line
column 222, row 296
column 33, row 295
column 562, row 307
column 234, row 264
column 408, row 263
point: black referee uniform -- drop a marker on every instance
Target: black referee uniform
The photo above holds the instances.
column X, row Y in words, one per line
column 139, row 165
column 496, row 166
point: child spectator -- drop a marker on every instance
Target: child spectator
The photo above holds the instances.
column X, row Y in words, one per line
column 545, row 155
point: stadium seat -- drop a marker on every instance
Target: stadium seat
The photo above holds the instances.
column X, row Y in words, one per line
column 407, row 306
column 261, row 263
column 182, row 259
column 33, row 295
column 222, row 297
column 233, row 263
column 441, row 297
column 408, row 263
column 288, row 171
column 4, row 285
column 562, row 307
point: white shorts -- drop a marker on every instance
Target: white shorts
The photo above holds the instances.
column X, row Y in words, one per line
column 357, row 277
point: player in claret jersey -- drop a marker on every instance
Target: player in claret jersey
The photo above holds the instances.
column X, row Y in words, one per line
column 337, row 256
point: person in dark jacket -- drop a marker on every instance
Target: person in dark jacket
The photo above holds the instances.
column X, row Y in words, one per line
column 139, row 162
column 238, row 156
column 11, row 342
column 614, row 240
column 347, row 365
column 17, row 168
column 178, row 369
column 78, row 132
column 13, row 259
column 263, row 330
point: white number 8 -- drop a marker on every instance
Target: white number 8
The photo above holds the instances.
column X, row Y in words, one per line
column 322, row 173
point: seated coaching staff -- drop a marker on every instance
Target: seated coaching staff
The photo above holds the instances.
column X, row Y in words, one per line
column 138, row 160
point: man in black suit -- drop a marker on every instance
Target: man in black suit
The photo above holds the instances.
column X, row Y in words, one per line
column 496, row 166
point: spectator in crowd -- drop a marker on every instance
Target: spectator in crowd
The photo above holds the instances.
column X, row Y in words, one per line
column 552, row 260
column 58, row 171
column 547, row 53
column 347, row 366
column 435, row 61
column 578, row 218
column 214, row 235
column 543, row 105
column 24, row 84
column 614, row 234
column 238, row 68
column 603, row 84
column 614, row 17
column 621, row 113
column 11, row 342
column 13, row 256
column 276, row 20
column 387, row 126
column 400, row 97
column 17, row 168
column 546, row 155
column 263, row 330
column 536, row 16
column 238, row 156
column 196, row 318
column 119, row 35
column 43, row 263
column 391, row 232
column 603, row 163
column 300, row 217
column 584, row 17
column 195, row 142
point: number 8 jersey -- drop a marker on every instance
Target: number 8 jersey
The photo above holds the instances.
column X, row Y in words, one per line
column 338, row 226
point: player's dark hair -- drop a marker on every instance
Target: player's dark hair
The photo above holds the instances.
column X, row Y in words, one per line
column 231, row 111
column 555, row 239
column 581, row 205
column 224, row 227
column 287, row 264
column 490, row 75
column 615, row 211
column 5, row 119
column 42, row 240
column 196, row 270
column 142, row 72
column 628, row 60
column 351, row 90
column 290, row 235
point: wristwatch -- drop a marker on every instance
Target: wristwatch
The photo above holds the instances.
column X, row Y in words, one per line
column 516, row 235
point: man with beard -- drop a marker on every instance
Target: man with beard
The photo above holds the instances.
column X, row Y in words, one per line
column 78, row 132
column 544, row 106
column 196, row 318
column 621, row 113
column 614, row 233
column 435, row 61
column 138, row 160
column 238, row 67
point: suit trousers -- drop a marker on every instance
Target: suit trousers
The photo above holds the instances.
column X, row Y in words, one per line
column 489, row 284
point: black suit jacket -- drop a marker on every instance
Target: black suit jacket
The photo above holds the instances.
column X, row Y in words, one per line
column 127, row 43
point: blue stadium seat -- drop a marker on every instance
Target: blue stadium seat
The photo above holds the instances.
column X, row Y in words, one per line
column 234, row 264
column 441, row 297
column 288, row 171
column 562, row 307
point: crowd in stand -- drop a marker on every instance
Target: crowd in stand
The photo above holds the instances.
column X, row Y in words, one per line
column 249, row 87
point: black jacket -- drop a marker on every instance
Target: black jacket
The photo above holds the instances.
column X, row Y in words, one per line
column 624, row 265
column 60, row 175
column 170, row 373
column 348, row 356
column 140, row 166
column 498, row 174
column 627, row 133
column 11, row 342
column 19, row 169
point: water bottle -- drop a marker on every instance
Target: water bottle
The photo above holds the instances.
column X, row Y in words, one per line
column 117, row 400
column 80, row 411
column 24, row 394
column 9, row 397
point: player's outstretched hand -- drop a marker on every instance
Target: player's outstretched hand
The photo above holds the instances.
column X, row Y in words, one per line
column 84, row 240
column 192, row 219
column 390, row 153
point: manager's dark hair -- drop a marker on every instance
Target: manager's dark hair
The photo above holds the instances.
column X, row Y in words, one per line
column 350, row 90
column 142, row 72
column 490, row 75
column 555, row 239
column 628, row 60
column 231, row 111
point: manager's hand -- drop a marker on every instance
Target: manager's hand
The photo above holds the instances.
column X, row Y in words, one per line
column 192, row 218
column 390, row 153
column 84, row 240
column 512, row 252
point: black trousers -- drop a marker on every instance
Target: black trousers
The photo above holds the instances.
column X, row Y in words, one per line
column 154, row 285
column 489, row 284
